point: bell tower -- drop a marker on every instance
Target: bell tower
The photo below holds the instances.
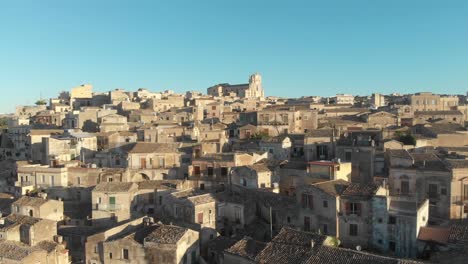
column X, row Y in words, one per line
column 255, row 86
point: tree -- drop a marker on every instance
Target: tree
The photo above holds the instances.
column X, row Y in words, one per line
column 3, row 122
column 41, row 102
column 405, row 138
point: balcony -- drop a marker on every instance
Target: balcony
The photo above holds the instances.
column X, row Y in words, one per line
column 460, row 200
column 23, row 183
column 106, row 207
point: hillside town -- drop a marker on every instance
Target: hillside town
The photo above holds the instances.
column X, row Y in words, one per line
column 234, row 176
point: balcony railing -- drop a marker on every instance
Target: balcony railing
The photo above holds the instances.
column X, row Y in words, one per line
column 23, row 183
column 460, row 200
column 106, row 207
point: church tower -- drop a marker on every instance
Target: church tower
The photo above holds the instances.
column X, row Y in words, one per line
column 255, row 87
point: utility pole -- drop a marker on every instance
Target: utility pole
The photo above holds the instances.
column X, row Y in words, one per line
column 271, row 223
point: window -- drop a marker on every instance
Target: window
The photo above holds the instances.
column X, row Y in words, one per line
column 465, row 192
column 96, row 249
column 432, row 193
column 110, row 255
column 202, row 186
column 391, row 220
column 404, row 187
column 262, row 185
column 125, row 253
column 325, row 203
column 307, row 201
column 353, row 208
column 353, row 229
column 78, row 180
column 196, row 170
column 465, row 209
column 210, row 171
column 288, row 219
column 224, row 171
column 325, row 229
column 392, row 246
column 200, row 218
column 237, row 214
column 160, row 200
column 306, row 223
column 348, row 155
column 443, row 191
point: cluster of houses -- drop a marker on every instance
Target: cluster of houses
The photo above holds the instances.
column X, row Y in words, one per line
column 233, row 176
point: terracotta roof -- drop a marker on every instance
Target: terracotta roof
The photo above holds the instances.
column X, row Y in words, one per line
column 113, row 187
column 355, row 189
column 166, row 234
column 447, row 112
column 15, row 220
column 459, row 232
column 334, row 255
column 457, row 163
column 30, row 201
column 335, row 187
column 320, row 133
column 246, row 248
column 290, row 246
column 221, row 243
column 434, row 234
column 144, row 147
column 14, row 250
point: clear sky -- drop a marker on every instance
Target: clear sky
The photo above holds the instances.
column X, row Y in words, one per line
column 300, row 47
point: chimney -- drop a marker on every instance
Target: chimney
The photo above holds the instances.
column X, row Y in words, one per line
column 43, row 195
column 58, row 239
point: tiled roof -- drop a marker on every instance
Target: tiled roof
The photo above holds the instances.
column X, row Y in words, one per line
column 355, row 189
column 334, row 255
column 15, row 220
column 399, row 153
column 260, row 167
column 457, row 163
column 335, row 187
column 290, row 246
column 246, row 248
column 14, row 250
column 113, row 187
column 166, row 234
column 202, row 199
column 221, row 243
column 320, row 133
column 459, row 232
column 144, row 147
column 435, row 234
column 448, row 112
column 30, row 201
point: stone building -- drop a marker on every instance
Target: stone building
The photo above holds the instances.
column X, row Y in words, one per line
column 330, row 170
column 153, row 243
column 255, row 176
column 252, row 90
column 39, row 207
column 113, row 202
column 319, row 144
column 433, row 102
column 278, row 148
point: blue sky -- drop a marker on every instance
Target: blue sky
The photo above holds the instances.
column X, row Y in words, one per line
column 300, row 47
